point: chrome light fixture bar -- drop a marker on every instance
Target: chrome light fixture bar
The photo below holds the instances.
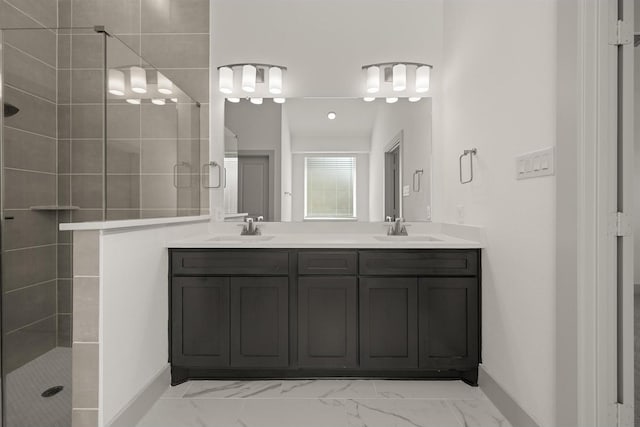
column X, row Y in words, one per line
column 251, row 75
column 412, row 79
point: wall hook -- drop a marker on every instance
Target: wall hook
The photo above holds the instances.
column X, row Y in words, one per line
column 470, row 153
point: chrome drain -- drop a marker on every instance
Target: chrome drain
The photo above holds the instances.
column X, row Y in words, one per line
column 52, row 391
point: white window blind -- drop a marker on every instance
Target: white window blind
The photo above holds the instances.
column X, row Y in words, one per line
column 330, row 187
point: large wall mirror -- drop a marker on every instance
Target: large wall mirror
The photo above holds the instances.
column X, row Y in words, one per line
column 328, row 159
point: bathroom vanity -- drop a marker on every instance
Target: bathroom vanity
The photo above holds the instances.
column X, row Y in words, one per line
column 345, row 309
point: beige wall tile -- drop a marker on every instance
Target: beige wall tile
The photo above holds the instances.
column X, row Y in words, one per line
column 86, row 307
column 86, row 256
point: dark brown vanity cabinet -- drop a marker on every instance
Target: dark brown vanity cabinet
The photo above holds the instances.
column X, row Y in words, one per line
column 256, row 313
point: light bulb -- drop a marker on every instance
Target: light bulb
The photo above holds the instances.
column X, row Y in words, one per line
column 116, row 82
column 138, row 79
column 368, row 99
column 158, row 101
column 392, row 100
column 331, row 115
column 399, row 77
column 165, row 86
column 256, row 101
column 279, row 100
column 174, row 100
column 414, row 98
column 373, row 79
column 423, row 77
column 249, row 78
column 234, row 100
column 134, row 101
column 275, row 80
column 225, row 79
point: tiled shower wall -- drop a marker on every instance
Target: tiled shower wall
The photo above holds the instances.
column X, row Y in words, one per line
column 32, row 295
column 172, row 35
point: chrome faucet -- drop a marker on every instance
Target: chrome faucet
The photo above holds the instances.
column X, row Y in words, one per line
column 397, row 229
column 250, row 229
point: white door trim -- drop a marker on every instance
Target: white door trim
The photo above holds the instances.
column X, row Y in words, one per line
column 586, row 363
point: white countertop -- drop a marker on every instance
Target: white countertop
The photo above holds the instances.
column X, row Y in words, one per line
column 326, row 235
column 131, row 223
column 320, row 241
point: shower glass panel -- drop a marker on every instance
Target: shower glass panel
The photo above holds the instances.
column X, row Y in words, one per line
column 89, row 131
column 152, row 140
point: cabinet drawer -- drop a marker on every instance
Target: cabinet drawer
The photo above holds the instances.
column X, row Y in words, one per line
column 419, row 263
column 268, row 262
column 327, row 262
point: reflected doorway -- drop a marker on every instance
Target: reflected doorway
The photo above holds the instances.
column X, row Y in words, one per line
column 253, row 186
column 392, row 183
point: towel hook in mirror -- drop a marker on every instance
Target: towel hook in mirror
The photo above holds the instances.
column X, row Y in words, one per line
column 210, row 165
column 470, row 153
column 418, row 173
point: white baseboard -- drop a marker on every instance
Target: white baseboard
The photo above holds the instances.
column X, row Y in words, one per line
column 513, row 412
column 137, row 407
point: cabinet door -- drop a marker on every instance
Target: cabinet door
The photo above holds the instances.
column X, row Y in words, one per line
column 259, row 321
column 448, row 318
column 200, row 321
column 388, row 323
column 327, row 327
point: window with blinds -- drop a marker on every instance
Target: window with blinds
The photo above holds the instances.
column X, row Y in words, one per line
column 330, row 187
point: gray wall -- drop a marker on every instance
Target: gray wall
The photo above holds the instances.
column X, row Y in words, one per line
column 30, row 286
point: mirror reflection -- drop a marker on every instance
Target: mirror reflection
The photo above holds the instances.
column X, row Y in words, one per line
column 321, row 159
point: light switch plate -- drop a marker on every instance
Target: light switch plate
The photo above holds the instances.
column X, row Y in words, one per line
column 536, row 164
column 406, row 190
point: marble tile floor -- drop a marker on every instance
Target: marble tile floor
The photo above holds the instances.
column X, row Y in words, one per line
column 323, row 403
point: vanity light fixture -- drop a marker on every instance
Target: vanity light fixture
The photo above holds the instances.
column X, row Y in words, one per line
column 412, row 78
column 279, row 100
column 116, row 82
column 175, row 100
column 234, row 100
column 225, row 79
column 373, row 79
column 414, row 98
column 134, row 101
column 158, row 101
column 275, row 80
column 138, row 79
column 331, row 115
column 165, row 86
column 256, row 101
column 423, row 77
column 368, row 99
column 251, row 76
column 399, row 77
column 392, row 100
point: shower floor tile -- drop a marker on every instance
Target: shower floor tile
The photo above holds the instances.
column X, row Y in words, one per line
column 25, row 406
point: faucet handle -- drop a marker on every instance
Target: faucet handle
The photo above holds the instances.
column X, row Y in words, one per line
column 387, row 219
column 260, row 218
column 248, row 219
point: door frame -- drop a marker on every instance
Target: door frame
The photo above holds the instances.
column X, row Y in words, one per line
column 589, row 135
column 272, row 193
column 395, row 142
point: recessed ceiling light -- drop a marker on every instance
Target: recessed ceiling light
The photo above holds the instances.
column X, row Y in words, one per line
column 331, row 115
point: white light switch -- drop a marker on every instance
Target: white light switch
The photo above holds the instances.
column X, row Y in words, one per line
column 406, row 190
column 535, row 164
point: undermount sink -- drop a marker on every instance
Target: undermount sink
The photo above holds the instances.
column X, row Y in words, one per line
column 407, row 239
column 239, row 239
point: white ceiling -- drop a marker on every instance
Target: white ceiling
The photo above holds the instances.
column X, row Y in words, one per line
column 324, row 43
column 308, row 117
